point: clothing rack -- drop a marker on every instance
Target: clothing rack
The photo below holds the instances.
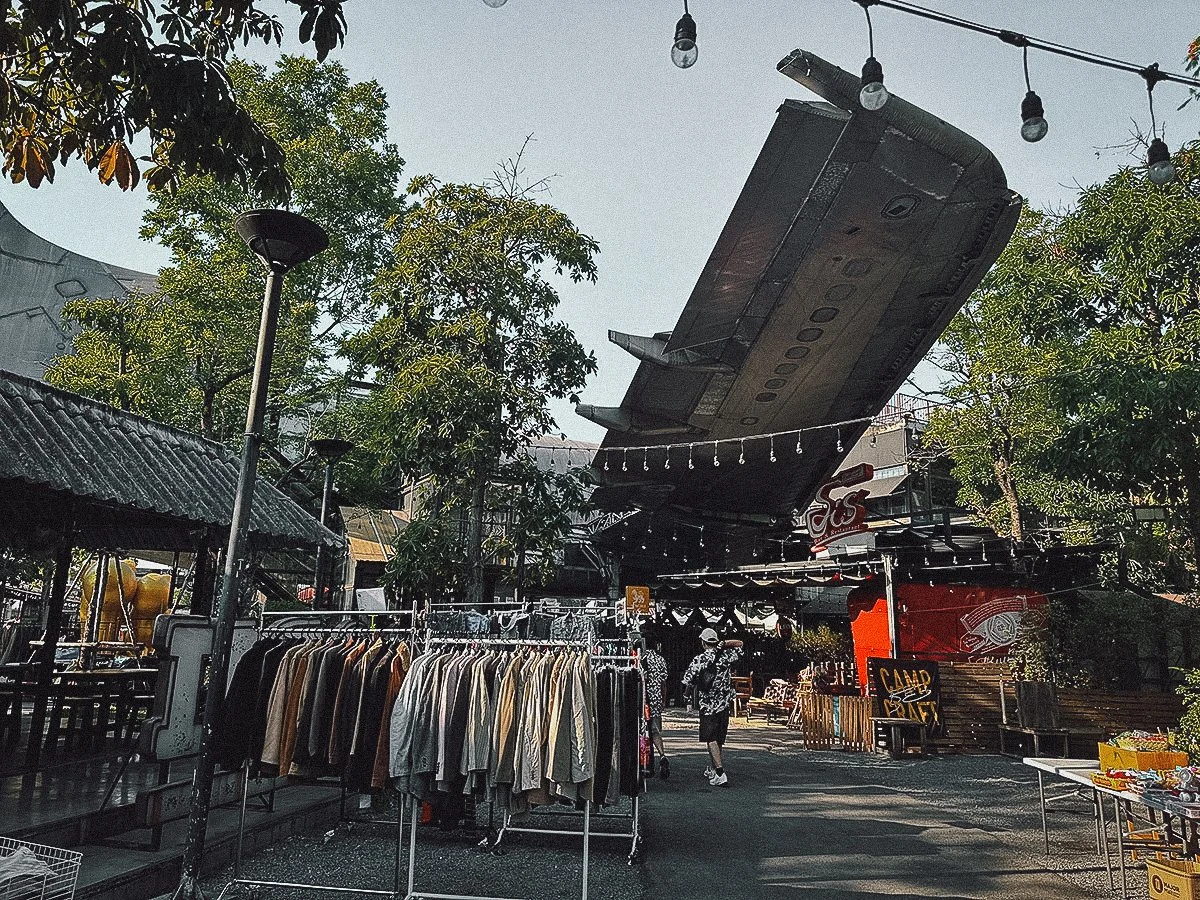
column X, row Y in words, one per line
column 634, row 834
column 238, row 881
column 586, row 834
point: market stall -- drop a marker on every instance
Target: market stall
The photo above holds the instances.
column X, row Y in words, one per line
column 76, row 474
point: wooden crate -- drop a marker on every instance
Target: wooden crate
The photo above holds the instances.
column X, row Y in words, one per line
column 1142, row 760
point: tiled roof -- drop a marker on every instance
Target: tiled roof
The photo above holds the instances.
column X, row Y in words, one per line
column 56, row 441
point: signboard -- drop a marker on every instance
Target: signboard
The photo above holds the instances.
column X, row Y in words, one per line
column 637, row 600
column 184, row 648
column 827, row 519
column 908, row 689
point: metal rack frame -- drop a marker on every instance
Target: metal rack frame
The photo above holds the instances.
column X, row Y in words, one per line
column 634, row 834
column 586, row 833
column 239, row 882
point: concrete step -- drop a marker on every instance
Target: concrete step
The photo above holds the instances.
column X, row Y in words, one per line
column 113, row 870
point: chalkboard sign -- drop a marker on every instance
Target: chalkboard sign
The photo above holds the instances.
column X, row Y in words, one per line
column 907, row 689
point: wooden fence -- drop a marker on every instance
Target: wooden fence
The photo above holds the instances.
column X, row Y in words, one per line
column 829, row 723
column 970, row 694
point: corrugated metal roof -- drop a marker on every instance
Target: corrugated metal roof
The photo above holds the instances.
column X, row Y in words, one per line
column 60, row 442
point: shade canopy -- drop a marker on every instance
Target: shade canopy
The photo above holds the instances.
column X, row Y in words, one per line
column 856, row 238
column 116, row 480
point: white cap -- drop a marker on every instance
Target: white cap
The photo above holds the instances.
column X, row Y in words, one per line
column 708, row 636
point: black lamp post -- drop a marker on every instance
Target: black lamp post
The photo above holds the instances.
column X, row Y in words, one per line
column 330, row 450
column 281, row 240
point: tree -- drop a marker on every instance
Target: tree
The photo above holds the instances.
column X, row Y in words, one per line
column 1133, row 397
column 82, row 79
column 184, row 354
column 1075, row 371
column 1005, row 353
column 469, row 355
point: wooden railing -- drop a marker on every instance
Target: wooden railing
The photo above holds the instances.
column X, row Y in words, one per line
column 971, row 712
column 829, row 723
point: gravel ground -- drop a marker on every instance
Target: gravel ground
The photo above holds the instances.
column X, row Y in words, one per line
column 993, row 794
column 996, row 794
column 362, row 855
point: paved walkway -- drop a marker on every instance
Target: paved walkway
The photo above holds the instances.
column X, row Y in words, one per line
column 789, row 825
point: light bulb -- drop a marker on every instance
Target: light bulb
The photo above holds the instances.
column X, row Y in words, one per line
column 495, row 4
column 873, row 95
column 1158, row 163
column 1033, row 123
column 684, row 51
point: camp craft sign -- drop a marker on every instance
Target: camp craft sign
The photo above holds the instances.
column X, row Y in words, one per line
column 908, row 689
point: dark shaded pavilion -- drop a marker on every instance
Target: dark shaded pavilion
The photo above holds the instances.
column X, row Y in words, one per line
column 76, row 473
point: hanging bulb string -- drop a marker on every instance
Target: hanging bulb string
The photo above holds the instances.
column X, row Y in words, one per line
column 1017, row 39
column 1152, row 76
column 770, row 436
column 866, row 7
column 1025, row 63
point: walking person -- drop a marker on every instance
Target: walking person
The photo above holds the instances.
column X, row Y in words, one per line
column 654, row 669
column 709, row 674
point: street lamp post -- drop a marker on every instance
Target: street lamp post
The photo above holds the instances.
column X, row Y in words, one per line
column 330, row 450
column 281, row 240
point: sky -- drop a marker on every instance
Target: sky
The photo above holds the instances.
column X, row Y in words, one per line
column 648, row 159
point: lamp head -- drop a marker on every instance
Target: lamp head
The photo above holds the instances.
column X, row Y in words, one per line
column 873, row 95
column 330, row 449
column 280, row 239
column 1158, row 163
column 684, row 51
column 1033, row 122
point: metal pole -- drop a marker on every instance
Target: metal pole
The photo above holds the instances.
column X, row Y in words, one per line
column 202, row 782
column 889, row 586
column 319, row 577
column 45, row 663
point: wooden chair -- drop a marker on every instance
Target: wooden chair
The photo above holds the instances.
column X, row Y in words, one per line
column 778, row 699
column 743, row 687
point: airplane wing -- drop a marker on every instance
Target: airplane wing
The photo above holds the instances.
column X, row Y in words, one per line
column 856, row 238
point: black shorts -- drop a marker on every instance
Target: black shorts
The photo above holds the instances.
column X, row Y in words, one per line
column 714, row 727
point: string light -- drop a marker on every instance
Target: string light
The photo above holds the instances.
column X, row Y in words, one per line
column 742, row 453
column 646, row 450
column 1033, row 121
column 1033, row 127
column 873, row 96
column 684, row 51
column 839, row 441
column 701, row 537
column 1158, row 158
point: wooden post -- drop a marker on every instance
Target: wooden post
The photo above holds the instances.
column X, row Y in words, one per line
column 45, row 654
column 889, row 586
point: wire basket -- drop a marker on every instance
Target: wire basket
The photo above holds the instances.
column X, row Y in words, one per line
column 47, row 873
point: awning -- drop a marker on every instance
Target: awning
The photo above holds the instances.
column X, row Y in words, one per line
column 124, row 481
column 799, row 575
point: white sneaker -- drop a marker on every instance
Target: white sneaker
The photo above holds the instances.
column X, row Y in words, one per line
column 709, row 772
column 718, row 780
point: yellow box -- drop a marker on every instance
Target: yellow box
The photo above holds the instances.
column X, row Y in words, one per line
column 1142, row 760
column 1173, row 879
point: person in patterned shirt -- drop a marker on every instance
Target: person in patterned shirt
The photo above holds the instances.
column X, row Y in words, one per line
column 654, row 670
column 714, row 698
